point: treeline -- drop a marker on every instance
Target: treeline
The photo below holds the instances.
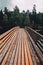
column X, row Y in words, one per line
column 9, row 19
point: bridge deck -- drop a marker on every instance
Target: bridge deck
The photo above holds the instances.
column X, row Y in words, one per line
column 17, row 49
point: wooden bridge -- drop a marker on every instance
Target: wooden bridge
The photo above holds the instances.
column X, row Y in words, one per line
column 20, row 46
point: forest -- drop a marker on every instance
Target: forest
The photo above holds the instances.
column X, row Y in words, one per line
column 9, row 19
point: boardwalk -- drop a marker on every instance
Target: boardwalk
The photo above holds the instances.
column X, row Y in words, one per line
column 16, row 48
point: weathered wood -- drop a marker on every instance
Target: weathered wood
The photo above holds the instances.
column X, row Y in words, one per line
column 18, row 48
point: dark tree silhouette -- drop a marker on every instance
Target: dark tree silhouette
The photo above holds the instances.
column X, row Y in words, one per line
column 9, row 19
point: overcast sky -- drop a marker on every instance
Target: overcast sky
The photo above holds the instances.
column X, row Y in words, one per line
column 22, row 4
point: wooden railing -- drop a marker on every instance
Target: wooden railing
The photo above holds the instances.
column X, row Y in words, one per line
column 37, row 43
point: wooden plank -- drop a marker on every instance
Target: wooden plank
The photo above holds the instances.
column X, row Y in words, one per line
column 26, row 57
column 19, row 56
column 5, row 59
column 23, row 63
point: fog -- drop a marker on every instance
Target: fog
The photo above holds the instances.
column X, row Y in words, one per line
column 22, row 4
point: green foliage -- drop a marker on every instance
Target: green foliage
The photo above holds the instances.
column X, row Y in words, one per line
column 9, row 19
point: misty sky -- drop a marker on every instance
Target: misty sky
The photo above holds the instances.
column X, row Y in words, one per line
column 22, row 4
